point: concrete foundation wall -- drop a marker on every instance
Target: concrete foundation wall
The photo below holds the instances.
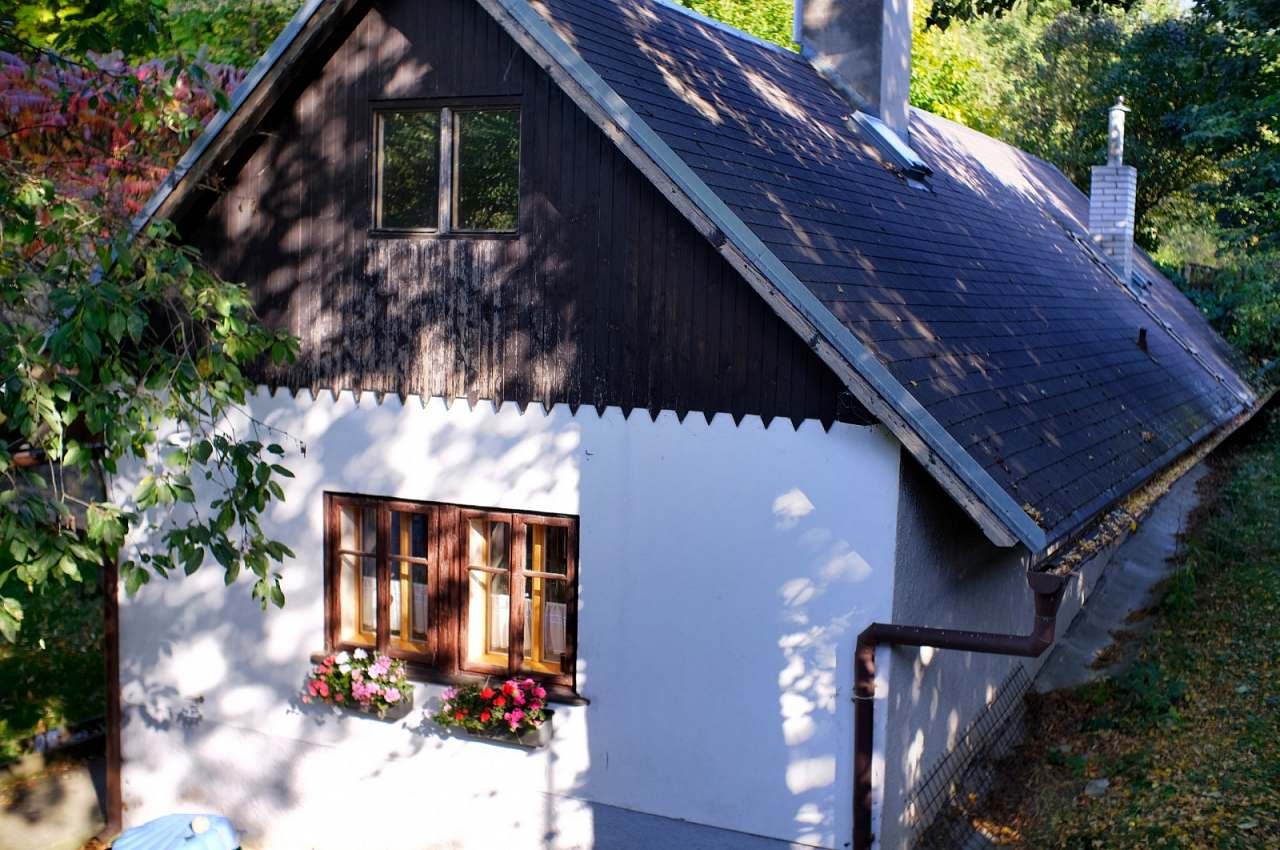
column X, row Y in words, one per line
column 724, row 572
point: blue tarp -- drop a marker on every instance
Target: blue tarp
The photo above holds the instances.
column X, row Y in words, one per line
column 175, row 832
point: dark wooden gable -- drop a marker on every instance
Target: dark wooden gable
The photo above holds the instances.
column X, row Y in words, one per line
column 606, row 296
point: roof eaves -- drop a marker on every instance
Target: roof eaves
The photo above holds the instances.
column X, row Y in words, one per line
column 1004, row 521
column 168, row 190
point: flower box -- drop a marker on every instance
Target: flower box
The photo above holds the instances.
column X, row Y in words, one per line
column 361, row 682
column 530, row 738
column 514, row 712
column 399, row 711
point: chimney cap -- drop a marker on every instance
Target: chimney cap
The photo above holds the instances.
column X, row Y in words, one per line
column 1115, row 132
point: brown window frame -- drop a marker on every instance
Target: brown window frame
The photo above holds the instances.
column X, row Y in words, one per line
column 443, row 658
column 447, row 109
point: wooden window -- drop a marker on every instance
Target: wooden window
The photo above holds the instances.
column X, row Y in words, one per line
column 451, row 169
column 407, row 172
column 457, row 592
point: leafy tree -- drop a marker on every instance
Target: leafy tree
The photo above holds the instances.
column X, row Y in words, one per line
column 111, row 341
column 234, row 33
column 80, row 27
column 770, row 20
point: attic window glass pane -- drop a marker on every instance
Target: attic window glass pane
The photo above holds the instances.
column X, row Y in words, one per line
column 487, row 169
column 408, row 170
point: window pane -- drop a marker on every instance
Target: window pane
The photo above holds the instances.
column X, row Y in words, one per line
column 359, row 588
column 546, row 599
column 487, row 544
column 487, row 169
column 408, row 534
column 359, row 529
column 499, row 633
column 409, row 169
column 489, row 593
column 546, row 549
column 418, row 607
column 545, row 609
column 488, row 617
column 396, row 599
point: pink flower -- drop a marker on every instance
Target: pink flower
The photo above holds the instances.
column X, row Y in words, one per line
column 519, row 698
column 339, row 697
column 540, row 692
column 528, row 683
column 391, row 695
column 535, row 705
column 516, row 716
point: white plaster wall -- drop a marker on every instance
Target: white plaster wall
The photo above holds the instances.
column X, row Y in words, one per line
column 725, row 572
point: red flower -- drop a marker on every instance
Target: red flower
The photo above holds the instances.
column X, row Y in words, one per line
column 508, row 689
column 487, row 693
column 339, row 697
column 484, row 716
column 459, row 715
column 500, row 702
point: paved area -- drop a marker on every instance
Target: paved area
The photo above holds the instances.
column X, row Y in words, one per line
column 57, row 810
column 1136, row 568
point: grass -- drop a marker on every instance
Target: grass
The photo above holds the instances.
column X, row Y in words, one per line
column 1189, row 734
column 54, row 673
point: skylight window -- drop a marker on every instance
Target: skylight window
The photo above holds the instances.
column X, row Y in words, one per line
column 898, row 153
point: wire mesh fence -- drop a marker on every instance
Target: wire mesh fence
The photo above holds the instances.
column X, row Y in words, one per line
column 955, row 788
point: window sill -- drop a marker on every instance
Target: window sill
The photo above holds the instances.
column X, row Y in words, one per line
column 558, row 694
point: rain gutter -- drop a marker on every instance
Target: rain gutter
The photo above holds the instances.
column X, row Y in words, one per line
column 1048, row 589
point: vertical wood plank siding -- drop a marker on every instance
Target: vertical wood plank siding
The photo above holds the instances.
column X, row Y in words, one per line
column 605, row 296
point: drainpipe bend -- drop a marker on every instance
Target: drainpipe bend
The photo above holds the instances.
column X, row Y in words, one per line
column 1048, row 589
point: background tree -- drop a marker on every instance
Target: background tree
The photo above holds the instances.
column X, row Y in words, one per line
column 112, row 340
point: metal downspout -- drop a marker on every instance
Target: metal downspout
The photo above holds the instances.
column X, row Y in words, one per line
column 1048, row 589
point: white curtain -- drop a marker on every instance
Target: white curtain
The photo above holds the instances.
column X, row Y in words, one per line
column 395, row 604
column 368, row 601
column 499, row 621
column 420, row 607
column 555, row 619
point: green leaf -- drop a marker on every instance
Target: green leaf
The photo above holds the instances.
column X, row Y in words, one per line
column 202, row 451
column 10, row 618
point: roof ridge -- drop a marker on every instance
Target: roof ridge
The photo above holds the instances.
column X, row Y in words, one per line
column 1092, row 252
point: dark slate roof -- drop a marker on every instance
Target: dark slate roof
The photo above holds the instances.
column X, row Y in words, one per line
column 979, row 294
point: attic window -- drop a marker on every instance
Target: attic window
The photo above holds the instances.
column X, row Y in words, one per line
column 446, row 170
column 895, row 150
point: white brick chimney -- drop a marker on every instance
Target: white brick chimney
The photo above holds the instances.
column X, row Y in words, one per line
column 864, row 48
column 1113, row 194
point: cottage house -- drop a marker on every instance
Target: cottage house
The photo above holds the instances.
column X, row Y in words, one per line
column 715, row 353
